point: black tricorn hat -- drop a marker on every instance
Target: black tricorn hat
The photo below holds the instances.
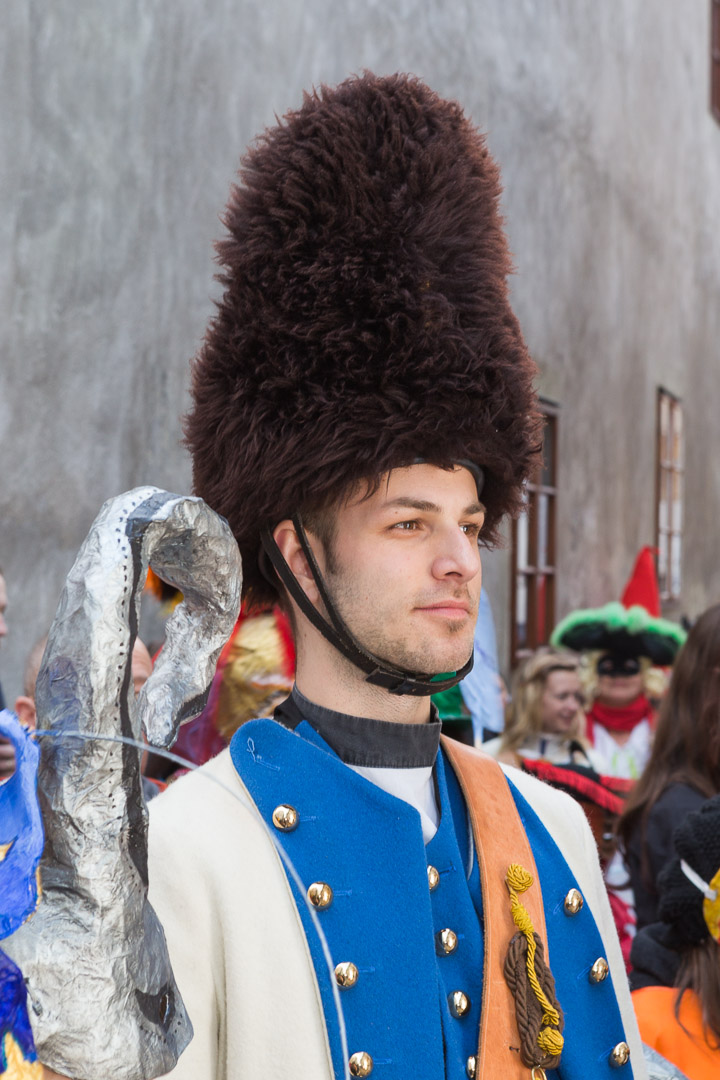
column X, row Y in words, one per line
column 365, row 321
column 622, row 632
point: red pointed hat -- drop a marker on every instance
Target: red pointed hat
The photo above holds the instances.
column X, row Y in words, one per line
column 642, row 586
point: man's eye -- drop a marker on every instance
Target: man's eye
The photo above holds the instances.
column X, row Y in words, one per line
column 405, row 526
column 471, row 529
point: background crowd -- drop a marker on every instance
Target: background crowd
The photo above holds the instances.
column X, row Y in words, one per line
column 621, row 711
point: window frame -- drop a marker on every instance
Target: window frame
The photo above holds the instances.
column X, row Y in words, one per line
column 669, row 477
column 532, row 572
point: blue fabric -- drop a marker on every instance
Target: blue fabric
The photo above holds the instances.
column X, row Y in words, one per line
column 377, row 919
column 13, row 1011
column 368, row 846
column 457, row 905
column 481, row 688
column 21, row 827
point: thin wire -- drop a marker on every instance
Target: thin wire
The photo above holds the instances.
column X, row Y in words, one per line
column 249, row 805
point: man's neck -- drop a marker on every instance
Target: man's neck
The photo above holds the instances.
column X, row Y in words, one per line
column 340, row 686
column 326, row 677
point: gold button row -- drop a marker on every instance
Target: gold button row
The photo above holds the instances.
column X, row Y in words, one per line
column 285, row 818
column 320, row 894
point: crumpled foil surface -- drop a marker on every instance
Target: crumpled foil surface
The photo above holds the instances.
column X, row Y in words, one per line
column 104, row 1003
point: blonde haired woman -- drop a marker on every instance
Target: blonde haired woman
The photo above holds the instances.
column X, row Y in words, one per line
column 545, row 718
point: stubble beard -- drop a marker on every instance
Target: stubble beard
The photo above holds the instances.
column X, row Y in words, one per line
column 422, row 657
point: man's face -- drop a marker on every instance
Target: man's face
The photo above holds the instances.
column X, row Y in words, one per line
column 3, row 605
column 620, row 682
column 404, row 567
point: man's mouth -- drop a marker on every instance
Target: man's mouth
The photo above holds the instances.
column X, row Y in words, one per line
column 453, row 609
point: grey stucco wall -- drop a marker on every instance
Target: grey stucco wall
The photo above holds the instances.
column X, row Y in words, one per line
column 120, row 134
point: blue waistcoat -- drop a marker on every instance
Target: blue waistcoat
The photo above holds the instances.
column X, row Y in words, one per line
column 368, row 846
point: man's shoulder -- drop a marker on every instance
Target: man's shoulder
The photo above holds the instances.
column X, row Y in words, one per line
column 210, row 797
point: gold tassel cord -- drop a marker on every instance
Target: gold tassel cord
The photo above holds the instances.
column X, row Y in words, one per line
column 519, row 881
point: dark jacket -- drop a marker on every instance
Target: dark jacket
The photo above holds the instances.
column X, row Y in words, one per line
column 667, row 813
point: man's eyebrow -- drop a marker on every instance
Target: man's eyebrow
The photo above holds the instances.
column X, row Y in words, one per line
column 426, row 507
column 474, row 508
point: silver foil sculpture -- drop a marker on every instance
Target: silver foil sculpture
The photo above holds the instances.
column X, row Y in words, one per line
column 103, row 998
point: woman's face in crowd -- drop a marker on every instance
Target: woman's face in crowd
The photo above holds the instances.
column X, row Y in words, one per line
column 561, row 702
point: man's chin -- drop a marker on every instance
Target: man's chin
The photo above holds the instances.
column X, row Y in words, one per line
column 433, row 666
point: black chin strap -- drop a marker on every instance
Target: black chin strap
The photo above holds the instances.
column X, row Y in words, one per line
column 378, row 672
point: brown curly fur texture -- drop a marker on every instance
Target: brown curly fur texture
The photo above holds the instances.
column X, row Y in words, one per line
column 365, row 319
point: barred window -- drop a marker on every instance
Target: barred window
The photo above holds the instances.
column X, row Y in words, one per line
column 669, row 490
column 533, row 587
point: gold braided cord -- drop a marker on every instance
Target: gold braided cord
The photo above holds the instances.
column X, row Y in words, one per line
column 519, row 881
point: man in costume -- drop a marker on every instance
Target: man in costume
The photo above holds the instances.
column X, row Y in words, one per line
column 364, row 417
column 624, row 647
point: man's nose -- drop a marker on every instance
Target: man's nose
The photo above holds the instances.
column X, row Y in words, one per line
column 3, row 626
column 457, row 555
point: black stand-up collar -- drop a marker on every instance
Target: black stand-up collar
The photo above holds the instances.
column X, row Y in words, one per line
column 363, row 741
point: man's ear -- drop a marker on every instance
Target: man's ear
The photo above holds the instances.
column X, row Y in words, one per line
column 290, row 548
column 26, row 712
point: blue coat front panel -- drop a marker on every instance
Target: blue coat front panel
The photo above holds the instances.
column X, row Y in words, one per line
column 368, row 846
column 593, row 1025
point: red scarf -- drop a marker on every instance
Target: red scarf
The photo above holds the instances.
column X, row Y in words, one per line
column 618, row 718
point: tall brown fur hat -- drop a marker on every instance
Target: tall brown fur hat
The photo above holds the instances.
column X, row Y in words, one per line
column 365, row 319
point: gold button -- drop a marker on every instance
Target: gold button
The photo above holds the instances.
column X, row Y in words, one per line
column 320, row 894
column 445, row 942
column 599, row 971
column 471, row 1067
column 573, row 902
column 619, row 1055
column 346, row 975
column 361, row 1064
column 459, row 1003
column 285, row 817
column 433, row 878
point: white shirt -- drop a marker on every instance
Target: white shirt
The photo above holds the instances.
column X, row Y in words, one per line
column 413, row 786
